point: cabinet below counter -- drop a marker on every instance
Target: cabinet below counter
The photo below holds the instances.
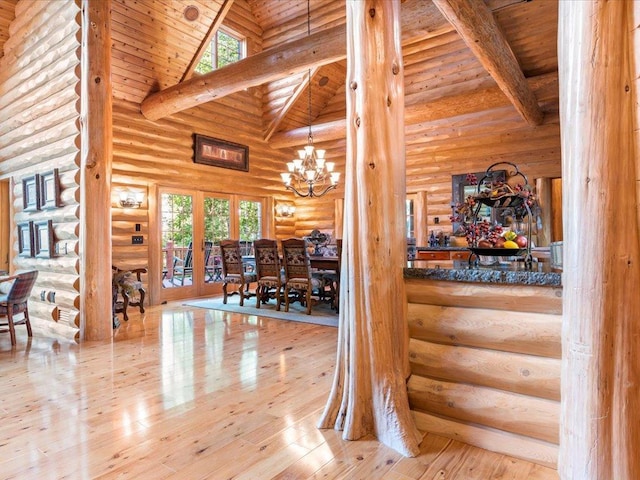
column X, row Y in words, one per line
column 442, row 253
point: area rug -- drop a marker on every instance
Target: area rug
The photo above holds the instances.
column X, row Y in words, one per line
column 321, row 314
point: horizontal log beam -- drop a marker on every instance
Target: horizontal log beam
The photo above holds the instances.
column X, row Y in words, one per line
column 518, row 446
column 512, row 372
column 511, row 412
column 509, row 331
column 315, row 50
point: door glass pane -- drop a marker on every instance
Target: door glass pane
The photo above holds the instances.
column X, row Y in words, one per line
column 250, row 224
column 216, row 227
column 410, row 218
column 177, row 234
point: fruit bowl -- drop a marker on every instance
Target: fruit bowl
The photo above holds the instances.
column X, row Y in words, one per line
column 499, row 252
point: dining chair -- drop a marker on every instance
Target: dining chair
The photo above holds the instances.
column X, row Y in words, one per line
column 297, row 273
column 233, row 270
column 15, row 301
column 268, row 271
column 332, row 278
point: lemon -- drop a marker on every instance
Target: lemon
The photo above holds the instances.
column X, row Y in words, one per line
column 510, row 235
column 510, row 244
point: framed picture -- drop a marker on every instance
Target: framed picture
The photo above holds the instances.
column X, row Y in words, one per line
column 31, row 193
column 43, row 239
column 25, row 239
column 49, row 186
column 220, row 153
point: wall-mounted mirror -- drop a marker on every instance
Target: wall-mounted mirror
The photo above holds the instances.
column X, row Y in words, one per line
column 466, row 184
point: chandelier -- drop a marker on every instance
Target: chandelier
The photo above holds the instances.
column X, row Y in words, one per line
column 310, row 175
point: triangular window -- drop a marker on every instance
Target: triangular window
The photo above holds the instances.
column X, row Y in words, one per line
column 226, row 47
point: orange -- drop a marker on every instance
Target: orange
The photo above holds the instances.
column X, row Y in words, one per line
column 510, row 244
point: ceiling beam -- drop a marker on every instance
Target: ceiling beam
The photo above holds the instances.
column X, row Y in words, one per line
column 420, row 20
column 475, row 24
column 282, row 113
column 318, row 49
column 420, row 112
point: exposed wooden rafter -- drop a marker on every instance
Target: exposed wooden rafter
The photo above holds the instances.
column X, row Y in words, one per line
column 213, row 29
column 475, row 23
column 299, row 90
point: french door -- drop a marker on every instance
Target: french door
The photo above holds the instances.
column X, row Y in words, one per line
column 192, row 223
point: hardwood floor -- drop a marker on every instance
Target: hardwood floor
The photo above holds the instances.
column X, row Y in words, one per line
column 187, row 393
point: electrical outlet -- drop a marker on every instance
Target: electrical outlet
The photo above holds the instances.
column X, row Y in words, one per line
column 137, row 239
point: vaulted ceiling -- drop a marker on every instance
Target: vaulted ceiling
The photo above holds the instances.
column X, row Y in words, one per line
column 154, row 44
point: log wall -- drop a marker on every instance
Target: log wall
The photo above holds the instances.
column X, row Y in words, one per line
column 39, row 131
column 485, row 364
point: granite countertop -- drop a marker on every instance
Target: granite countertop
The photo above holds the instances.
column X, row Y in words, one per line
column 513, row 273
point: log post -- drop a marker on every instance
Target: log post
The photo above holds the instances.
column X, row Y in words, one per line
column 369, row 393
column 95, row 172
column 600, row 419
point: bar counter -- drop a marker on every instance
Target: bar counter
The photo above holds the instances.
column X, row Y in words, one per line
column 485, row 354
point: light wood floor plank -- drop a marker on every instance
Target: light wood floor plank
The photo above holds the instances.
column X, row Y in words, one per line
column 193, row 394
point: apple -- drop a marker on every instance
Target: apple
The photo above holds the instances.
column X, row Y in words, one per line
column 485, row 244
column 499, row 243
column 521, row 240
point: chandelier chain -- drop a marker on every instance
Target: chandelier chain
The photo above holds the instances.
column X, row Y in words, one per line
column 310, row 175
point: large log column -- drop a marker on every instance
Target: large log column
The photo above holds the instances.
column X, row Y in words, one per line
column 369, row 394
column 600, row 422
column 95, row 172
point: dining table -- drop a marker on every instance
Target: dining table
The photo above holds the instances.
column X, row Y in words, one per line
column 325, row 263
column 328, row 265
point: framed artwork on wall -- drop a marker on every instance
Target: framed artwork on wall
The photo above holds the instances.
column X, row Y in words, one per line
column 31, row 193
column 25, row 239
column 220, row 153
column 43, row 239
column 49, row 187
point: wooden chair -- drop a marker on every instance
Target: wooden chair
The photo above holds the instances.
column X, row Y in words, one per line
column 124, row 284
column 183, row 266
column 297, row 273
column 17, row 301
column 233, row 270
column 268, row 272
column 332, row 279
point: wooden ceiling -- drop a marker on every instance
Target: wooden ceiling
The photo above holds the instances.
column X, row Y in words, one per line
column 153, row 45
column 7, row 9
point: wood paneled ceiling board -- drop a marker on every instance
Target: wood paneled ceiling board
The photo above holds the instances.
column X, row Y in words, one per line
column 7, row 14
column 531, row 29
column 152, row 37
column 288, row 18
